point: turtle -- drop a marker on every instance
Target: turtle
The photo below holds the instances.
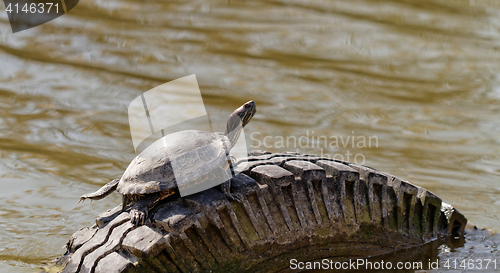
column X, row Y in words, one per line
column 181, row 160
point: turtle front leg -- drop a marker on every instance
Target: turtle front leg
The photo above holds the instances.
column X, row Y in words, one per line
column 226, row 186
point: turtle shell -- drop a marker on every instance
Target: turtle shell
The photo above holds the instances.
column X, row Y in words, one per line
column 181, row 156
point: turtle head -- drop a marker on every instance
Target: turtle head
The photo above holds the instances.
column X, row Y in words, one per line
column 239, row 119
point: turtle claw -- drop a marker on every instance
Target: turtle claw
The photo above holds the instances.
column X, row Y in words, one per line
column 225, row 187
column 137, row 217
column 82, row 199
column 237, row 198
column 233, row 197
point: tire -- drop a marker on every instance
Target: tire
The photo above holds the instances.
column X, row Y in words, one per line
column 293, row 206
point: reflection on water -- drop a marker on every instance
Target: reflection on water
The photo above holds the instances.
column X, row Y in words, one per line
column 477, row 250
column 420, row 75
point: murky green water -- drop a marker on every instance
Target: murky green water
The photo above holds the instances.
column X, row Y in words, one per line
column 417, row 77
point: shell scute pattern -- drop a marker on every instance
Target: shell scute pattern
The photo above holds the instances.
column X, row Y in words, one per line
column 172, row 160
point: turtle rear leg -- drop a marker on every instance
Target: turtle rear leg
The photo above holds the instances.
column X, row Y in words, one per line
column 140, row 209
column 102, row 192
column 142, row 204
